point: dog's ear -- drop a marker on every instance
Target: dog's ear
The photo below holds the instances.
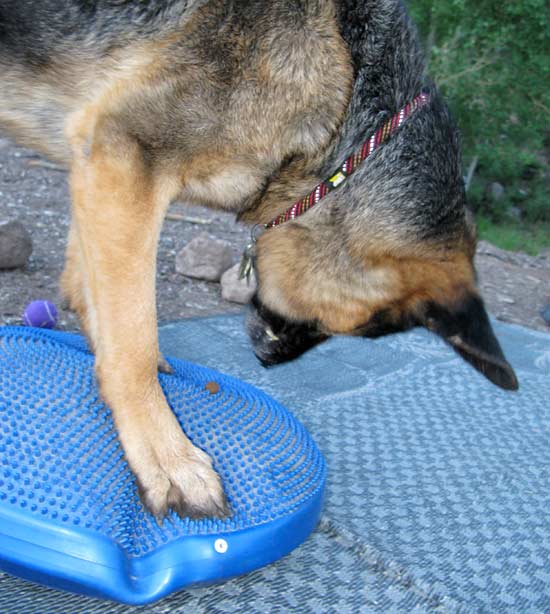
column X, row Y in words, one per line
column 466, row 327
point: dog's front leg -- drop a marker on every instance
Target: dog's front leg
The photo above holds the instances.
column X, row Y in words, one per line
column 118, row 204
column 73, row 288
column 71, row 282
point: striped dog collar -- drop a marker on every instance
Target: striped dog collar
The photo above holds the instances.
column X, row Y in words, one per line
column 337, row 178
column 351, row 164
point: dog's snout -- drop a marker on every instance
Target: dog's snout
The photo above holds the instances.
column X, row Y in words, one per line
column 275, row 339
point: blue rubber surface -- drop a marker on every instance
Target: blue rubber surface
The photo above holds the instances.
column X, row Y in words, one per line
column 70, row 516
column 438, row 483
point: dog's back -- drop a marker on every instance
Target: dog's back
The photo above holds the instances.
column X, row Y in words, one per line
column 57, row 54
column 186, row 71
column 36, row 32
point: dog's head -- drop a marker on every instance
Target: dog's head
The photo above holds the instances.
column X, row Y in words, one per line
column 299, row 307
column 390, row 250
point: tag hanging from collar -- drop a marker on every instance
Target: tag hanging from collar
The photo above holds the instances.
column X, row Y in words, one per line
column 249, row 254
column 247, row 261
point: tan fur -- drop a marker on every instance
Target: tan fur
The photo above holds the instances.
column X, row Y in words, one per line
column 69, row 84
column 113, row 192
column 342, row 291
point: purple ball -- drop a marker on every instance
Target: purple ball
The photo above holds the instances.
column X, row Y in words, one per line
column 42, row 314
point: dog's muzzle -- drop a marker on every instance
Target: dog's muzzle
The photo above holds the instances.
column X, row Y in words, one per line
column 275, row 339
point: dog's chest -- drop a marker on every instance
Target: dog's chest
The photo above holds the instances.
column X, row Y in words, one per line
column 223, row 182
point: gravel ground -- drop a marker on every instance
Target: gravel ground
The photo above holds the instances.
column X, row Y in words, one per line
column 36, row 193
column 515, row 286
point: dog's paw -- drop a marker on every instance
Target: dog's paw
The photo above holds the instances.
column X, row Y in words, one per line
column 163, row 366
column 196, row 490
column 171, row 473
column 183, row 481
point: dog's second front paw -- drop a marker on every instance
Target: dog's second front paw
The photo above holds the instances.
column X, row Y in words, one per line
column 163, row 366
column 183, row 481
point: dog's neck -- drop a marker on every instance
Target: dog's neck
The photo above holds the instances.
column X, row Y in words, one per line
column 388, row 73
column 388, row 64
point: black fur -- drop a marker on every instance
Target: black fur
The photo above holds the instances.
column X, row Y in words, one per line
column 34, row 31
column 414, row 182
column 467, row 329
column 275, row 339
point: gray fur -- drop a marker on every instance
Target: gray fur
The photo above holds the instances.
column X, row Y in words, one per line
column 412, row 183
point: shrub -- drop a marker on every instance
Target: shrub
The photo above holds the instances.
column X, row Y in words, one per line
column 490, row 59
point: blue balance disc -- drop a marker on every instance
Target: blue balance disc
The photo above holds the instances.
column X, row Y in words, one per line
column 70, row 515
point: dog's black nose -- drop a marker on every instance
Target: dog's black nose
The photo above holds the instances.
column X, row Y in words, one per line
column 275, row 339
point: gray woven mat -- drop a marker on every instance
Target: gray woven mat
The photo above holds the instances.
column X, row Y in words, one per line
column 438, row 495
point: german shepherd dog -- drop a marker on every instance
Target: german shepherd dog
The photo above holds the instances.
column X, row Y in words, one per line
column 246, row 106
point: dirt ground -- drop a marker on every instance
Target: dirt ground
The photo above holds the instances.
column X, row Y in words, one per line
column 515, row 286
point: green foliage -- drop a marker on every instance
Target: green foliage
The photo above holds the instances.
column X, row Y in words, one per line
column 491, row 60
column 528, row 238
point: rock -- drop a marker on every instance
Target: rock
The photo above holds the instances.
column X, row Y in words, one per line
column 488, row 249
column 484, row 248
column 237, row 290
column 545, row 313
column 204, row 258
column 514, row 213
column 496, row 191
column 15, row 245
